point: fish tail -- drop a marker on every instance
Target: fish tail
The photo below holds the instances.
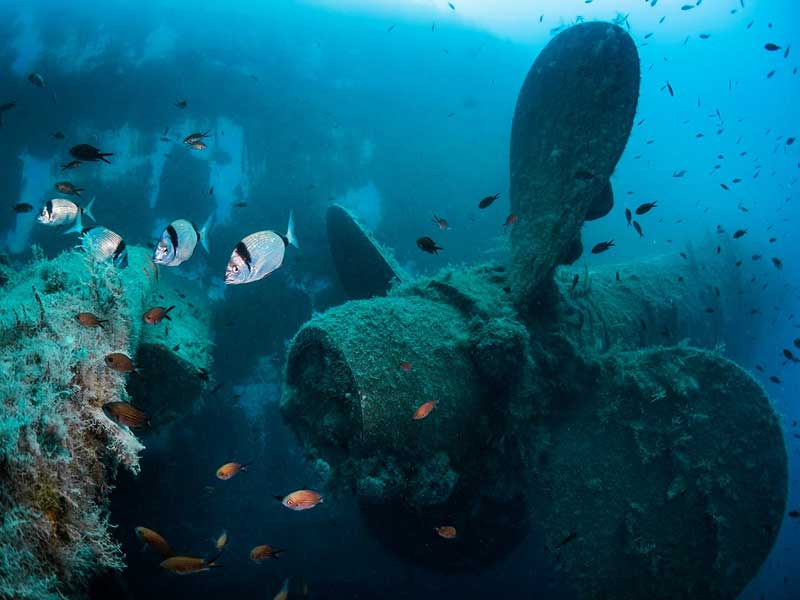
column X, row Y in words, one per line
column 166, row 312
column 77, row 227
column 278, row 498
column 103, row 155
column 88, row 209
column 277, row 552
column 290, row 236
column 205, row 231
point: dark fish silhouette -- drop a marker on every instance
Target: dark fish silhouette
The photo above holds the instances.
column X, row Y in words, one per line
column 739, row 233
column 645, row 208
column 87, row 152
column 602, row 247
column 426, row 244
column 486, row 202
column 180, row 103
column 770, row 47
column 638, row 229
column 628, row 216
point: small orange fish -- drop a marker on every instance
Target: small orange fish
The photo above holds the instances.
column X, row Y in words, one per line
column 510, row 220
column 221, row 541
column 446, row 531
column 124, row 413
column 230, row 469
column 186, row 565
column 154, row 316
column 120, row 362
column 405, row 365
column 87, row 319
column 264, row 552
column 154, row 541
column 425, row 409
column 301, row 500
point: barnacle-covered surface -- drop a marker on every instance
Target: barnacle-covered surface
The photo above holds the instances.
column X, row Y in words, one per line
column 659, row 301
column 351, row 405
column 573, row 117
column 364, row 267
column 668, row 466
column 572, row 407
column 58, row 451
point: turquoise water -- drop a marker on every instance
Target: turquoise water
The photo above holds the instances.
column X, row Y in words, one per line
column 399, row 112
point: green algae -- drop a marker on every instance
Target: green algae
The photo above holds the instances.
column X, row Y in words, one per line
column 58, row 452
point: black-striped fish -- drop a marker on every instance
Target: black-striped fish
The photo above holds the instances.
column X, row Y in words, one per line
column 103, row 244
column 60, row 211
column 258, row 255
column 179, row 240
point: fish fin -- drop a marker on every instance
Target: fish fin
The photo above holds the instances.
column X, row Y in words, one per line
column 88, row 209
column 103, row 155
column 100, row 323
column 77, row 227
column 166, row 311
column 278, row 498
column 204, row 231
column 290, row 236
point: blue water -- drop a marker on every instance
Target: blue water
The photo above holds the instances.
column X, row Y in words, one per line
column 398, row 110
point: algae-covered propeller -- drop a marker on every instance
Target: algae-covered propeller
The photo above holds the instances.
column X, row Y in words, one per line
column 573, row 117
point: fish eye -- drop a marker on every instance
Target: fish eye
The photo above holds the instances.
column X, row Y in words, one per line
column 235, row 269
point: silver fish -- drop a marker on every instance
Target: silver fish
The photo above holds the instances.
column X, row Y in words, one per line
column 60, row 211
column 258, row 255
column 179, row 240
column 103, row 244
column 195, row 138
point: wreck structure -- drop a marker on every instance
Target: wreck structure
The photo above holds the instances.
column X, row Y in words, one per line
column 647, row 463
column 59, row 452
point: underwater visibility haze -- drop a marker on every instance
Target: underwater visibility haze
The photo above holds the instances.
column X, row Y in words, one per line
column 348, row 299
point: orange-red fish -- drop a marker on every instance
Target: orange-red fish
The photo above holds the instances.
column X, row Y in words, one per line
column 425, row 409
column 154, row 541
column 264, row 552
column 230, row 469
column 405, row 365
column 120, row 362
column 186, row 565
column 124, row 413
column 154, row 316
column 510, row 220
column 446, row 531
column 87, row 319
column 301, row 500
